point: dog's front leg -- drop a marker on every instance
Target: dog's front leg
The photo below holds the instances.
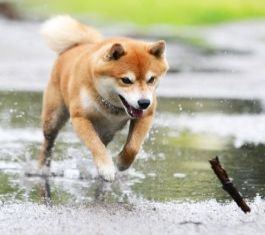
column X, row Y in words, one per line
column 137, row 132
column 89, row 136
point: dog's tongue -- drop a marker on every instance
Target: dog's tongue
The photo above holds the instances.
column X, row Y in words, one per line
column 136, row 113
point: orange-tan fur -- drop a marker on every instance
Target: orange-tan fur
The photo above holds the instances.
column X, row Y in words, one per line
column 85, row 86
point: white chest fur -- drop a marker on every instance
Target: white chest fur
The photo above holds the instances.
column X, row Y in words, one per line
column 86, row 101
column 106, row 128
column 105, row 124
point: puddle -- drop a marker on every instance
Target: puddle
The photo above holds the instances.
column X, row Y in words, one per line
column 173, row 165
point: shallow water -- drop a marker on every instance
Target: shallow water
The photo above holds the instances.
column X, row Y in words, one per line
column 173, row 165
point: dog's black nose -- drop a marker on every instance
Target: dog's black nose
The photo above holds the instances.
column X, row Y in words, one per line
column 143, row 103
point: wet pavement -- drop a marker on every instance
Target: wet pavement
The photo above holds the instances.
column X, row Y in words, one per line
column 211, row 103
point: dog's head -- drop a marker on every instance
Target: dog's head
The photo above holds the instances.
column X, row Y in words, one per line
column 127, row 73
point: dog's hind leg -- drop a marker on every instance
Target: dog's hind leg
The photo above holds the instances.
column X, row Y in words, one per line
column 54, row 116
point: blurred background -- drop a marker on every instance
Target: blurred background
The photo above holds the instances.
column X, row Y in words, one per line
column 145, row 12
column 210, row 103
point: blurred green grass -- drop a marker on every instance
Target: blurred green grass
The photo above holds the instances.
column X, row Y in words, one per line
column 144, row 12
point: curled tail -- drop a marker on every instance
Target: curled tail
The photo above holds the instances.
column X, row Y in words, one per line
column 63, row 32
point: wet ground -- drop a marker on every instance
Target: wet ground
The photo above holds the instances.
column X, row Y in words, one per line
column 211, row 103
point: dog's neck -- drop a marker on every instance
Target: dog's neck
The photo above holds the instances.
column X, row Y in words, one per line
column 114, row 110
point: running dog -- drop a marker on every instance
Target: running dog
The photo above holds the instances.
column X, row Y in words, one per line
column 100, row 84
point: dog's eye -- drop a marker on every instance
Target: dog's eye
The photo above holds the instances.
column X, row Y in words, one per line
column 151, row 80
column 126, row 80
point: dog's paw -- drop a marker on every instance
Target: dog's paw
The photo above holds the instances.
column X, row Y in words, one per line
column 107, row 171
column 121, row 165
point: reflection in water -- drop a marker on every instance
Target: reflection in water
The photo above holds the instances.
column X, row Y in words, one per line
column 45, row 191
column 101, row 191
column 53, row 190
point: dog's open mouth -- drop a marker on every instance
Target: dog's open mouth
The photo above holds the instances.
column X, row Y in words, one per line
column 133, row 112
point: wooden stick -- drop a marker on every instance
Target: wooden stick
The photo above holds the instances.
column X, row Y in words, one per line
column 228, row 184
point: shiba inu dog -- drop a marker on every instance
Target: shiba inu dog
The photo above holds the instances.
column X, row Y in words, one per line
column 100, row 84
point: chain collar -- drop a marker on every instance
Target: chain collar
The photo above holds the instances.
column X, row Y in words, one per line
column 110, row 107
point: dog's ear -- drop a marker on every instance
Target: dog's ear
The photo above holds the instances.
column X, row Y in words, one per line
column 115, row 52
column 157, row 49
